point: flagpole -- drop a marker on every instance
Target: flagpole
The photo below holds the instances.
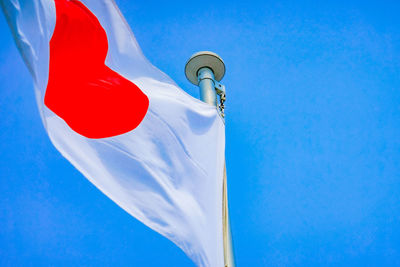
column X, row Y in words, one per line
column 206, row 69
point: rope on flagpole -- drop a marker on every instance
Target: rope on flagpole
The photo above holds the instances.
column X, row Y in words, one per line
column 206, row 69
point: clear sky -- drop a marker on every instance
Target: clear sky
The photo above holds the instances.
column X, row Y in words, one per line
column 313, row 140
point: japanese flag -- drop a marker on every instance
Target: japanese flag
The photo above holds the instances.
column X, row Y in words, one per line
column 153, row 149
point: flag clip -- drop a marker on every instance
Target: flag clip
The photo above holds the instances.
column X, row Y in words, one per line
column 220, row 89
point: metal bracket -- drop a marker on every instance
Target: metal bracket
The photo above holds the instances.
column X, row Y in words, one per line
column 220, row 90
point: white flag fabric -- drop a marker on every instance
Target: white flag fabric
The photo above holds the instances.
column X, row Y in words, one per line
column 165, row 167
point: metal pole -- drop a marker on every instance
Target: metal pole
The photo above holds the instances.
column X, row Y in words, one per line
column 206, row 66
column 207, row 86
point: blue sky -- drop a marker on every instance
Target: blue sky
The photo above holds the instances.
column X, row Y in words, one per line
column 313, row 140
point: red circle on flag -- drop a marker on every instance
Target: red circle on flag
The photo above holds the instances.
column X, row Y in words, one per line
column 92, row 99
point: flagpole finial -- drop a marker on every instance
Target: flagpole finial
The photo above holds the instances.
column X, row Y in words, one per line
column 204, row 59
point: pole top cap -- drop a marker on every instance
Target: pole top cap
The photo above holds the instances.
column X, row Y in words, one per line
column 204, row 59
